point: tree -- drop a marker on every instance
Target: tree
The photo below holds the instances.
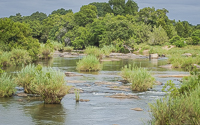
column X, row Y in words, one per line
column 179, row 28
column 102, row 8
column 158, row 36
column 17, row 35
column 131, row 7
column 196, row 37
column 118, row 6
column 86, row 15
column 61, row 11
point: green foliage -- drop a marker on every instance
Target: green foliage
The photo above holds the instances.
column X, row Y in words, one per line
column 102, row 8
column 108, row 49
column 68, row 49
column 25, row 77
column 46, row 50
column 61, row 11
column 47, row 82
column 177, row 41
column 15, row 57
column 77, row 96
column 50, row 84
column 89, row 63
column 7, row 86
column 57, row 45
column 91, row 50
column 86, row 15
column 196, row 37
column 158, row 36
column 140, row 78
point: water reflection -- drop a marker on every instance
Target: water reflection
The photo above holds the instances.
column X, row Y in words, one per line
column 47, row 113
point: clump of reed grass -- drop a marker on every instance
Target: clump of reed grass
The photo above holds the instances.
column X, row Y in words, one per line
column 178, row 110
column 7, row 86
column 68, row 49
column 15, row 57
column 89, row 63
column 106, row 50
column 50, row 84
column 47, row 82
column 140, row 78
column 91, row 50
column 46, row 51
column 77, row 96
column 25, row 77
column 57, row 45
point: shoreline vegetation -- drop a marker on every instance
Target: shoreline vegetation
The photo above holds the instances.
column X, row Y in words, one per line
column 99, row 29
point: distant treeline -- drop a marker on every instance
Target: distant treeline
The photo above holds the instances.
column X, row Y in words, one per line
column 97, row 24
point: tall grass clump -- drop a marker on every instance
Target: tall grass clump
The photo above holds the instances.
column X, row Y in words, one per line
column 25, row 77
column 7, row 85
column 89, row 63
column 91, row 50
column 47, row 82
column 140, row 78
column 15, row 57
column 57, row 45
column 181, row 105
column 68, row 49
column 106, row 50
column 46, row 51
column 50, row 84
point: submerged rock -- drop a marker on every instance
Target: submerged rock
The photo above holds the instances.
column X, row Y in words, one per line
column 168, row 66
column 22, row 94
column 70, row 74
column 123, row 96
column 106, row 83
column 84, row 100
column 121, row 88
column 75, row 81
column 137, row 109
column 158, row 83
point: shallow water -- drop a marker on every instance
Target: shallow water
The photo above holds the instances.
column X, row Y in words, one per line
column 100, row 110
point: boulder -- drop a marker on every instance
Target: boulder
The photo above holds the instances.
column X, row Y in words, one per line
column 84, row 100
column 153, row 56
column 168, row 66
column 123, row 96
column 22, row 94
column 158, row 83
column 187, row 54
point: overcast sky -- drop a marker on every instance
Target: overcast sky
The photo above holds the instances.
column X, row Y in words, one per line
column 184, row 10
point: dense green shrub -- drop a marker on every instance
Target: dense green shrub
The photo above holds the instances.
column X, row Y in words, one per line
column 89, row 63
column 140, row 78
column 25, row 77
column 46, row 50
column 91, row 50
column 50, row 84
column 178, row 41
column 7, row 86
column 106, row 50
column 15, row 57
column 68, row 49
column 47, row 82
column 57, row 45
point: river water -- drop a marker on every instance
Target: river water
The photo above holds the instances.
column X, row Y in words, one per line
column 100, row 110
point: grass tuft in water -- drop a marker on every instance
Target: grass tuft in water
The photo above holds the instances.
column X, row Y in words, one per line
column 89, row 63
column 140, row 78
column 7, row 86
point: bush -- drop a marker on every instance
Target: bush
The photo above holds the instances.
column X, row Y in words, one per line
column 177, row 41
column 106, row 50
column 140, row 78
column 57, row 45
column 7, row 86
column 46, row 50
column 50, row 84
column 46, row 82
column 91, row 50
column 25, row 77
column 89, row 63
column 15, row 57
column 68, row 49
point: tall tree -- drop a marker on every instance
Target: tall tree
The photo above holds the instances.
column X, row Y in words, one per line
column 131, row 7
column 118, row 6
column 86, row 15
